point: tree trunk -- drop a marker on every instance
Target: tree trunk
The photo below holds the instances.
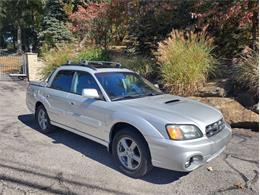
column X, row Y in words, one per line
column 14, row 44
column 19, row 39
column 82, row 42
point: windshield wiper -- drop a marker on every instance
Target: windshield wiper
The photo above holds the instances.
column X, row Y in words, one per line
column 126, row 97
column 136, row 96
column 152, row 94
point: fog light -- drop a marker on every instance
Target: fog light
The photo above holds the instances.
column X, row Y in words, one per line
column 188, row 163
column 194, row 159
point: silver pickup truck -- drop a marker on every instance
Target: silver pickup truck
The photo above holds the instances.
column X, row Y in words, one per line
column 141, row 126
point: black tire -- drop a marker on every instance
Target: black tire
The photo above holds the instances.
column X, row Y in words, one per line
column 145, row 164
column 49, row 128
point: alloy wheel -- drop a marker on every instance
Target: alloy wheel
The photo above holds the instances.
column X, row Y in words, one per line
column 128, row 153
column 42, row 119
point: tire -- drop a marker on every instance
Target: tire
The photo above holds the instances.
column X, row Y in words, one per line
column 138, row 156
column 40, row 112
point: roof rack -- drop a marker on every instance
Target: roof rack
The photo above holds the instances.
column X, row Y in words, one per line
column 101, row 63
column 70, row 63
column 94, row 64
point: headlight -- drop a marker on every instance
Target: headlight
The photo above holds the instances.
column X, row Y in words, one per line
column 183, row 132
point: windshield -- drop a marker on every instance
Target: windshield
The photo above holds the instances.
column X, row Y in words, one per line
column 126, row 85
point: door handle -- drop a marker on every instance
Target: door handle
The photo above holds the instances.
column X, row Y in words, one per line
column 72, row 103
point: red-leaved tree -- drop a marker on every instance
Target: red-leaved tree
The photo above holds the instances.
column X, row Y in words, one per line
column 233, row 23
column 91, row 23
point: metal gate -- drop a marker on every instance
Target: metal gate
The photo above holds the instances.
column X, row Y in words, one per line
column 12, row 67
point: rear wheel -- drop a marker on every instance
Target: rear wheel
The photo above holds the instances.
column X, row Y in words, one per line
column 131, row 153
column 43, row 120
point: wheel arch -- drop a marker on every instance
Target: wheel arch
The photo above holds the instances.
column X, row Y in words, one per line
column 37, row 104
column 123, row 125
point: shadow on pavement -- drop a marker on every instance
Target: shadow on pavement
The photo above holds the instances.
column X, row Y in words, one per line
column 45, row 173
column 254, row 126
column 99, row 152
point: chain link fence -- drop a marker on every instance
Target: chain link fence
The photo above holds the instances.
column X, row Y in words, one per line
column 12, row 67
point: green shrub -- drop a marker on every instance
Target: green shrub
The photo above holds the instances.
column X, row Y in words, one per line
column 186, row 61
column 139, row 64
column 93, row 54
column 246, row 73
column 56, row 57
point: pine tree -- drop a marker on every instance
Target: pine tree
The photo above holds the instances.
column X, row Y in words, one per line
column 54, row 28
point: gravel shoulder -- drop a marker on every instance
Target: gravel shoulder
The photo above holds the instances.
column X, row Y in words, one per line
column 65, row 163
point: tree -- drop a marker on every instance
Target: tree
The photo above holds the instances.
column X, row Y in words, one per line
column 54, row 29
column 234, row 24
column 18, row 17
column 119, row 20
column 92, row 23
column 151, row 21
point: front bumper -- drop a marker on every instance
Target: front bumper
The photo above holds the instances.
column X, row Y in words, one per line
column 190, row 154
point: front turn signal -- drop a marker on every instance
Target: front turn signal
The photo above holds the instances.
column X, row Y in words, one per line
column 174, row 133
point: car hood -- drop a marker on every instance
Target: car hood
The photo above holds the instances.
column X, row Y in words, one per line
column 175, row 110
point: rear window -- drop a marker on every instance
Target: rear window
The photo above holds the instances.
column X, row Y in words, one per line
column 63, row 80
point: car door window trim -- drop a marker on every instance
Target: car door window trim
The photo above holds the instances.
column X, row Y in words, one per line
column 73, row 83
column 53, row 80
column 98, row 88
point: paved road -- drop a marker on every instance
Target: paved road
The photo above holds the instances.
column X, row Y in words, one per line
column 65, row 163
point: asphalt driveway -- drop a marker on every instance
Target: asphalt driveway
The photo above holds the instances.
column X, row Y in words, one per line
column 65, row 163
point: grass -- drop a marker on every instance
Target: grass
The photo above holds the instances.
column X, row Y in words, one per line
column 186, row 61
column 139, row 64
column 56, row 57
column 246, row 74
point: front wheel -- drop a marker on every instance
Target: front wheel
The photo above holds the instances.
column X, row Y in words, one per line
column 43, row 120
column 131, row 153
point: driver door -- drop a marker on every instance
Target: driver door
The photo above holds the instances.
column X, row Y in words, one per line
column 88, row 114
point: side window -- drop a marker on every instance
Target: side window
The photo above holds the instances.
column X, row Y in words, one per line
column 84, row 80
column 63, row 80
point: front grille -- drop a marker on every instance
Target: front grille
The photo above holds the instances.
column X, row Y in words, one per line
column 215, row 128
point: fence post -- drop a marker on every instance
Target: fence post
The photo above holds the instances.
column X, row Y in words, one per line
column 33, row 66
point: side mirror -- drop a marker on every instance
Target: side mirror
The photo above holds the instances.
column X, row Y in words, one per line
column 90, row 93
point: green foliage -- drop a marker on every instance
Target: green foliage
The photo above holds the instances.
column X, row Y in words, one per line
column 232, row 23
column 54, row 30
column 246, row 74
column 58, row 56
column 54, row 9
column 22, row 15
column 186, row 60
column 139, row 64
column 93, row 54
column 151, row 21
column 139, row 24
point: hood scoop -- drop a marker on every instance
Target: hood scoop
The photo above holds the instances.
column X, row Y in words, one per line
column 172, row 101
